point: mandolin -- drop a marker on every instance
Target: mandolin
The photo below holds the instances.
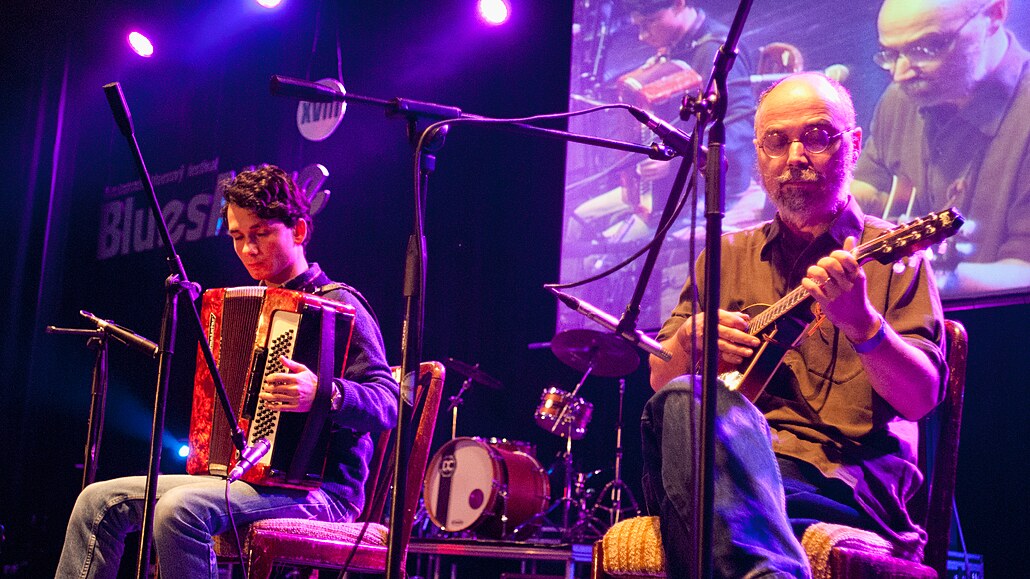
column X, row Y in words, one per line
column 783, row 325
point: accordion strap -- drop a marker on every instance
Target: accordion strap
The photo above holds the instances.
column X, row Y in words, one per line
column 334, row 286
column 320, row 407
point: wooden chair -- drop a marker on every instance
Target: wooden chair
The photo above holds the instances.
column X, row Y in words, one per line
column 305, row 543
column 632, row 549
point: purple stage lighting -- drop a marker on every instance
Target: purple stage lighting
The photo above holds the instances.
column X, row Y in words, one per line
column 269, row 3
column 494, row 12
column 141, row 44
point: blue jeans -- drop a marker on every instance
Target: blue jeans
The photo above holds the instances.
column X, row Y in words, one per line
column 190, row 509
column 751, row 535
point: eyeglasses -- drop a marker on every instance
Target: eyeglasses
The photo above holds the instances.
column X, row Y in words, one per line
column 814, row 140
column 926, row 50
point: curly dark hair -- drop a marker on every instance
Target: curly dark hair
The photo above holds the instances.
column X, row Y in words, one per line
column 272, row 194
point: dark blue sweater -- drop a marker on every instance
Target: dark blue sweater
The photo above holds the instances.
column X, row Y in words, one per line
column 369, row 392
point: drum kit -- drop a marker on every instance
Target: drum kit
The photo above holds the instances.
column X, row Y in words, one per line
column 496, row 489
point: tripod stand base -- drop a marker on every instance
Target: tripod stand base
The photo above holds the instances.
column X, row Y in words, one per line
column 622, row 504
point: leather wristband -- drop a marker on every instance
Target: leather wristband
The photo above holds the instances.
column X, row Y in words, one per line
column 871, row 344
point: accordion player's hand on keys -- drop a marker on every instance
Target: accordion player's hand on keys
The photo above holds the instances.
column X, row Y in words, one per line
column 290, row 391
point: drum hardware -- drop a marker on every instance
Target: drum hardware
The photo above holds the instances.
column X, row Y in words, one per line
column 472, row 374
column 617, row 486
column 565, row 414
column 568, row 499
column 573, row 518
column 457, row 401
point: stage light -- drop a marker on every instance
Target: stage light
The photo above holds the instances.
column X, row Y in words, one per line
column 184, row 450
column 494, row 11
column 140, row 44
column 269, row 3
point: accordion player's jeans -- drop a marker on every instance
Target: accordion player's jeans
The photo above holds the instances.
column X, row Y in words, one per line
column 190, row 509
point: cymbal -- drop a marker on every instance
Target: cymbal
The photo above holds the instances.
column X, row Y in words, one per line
column 473, row 373
column 607, row 354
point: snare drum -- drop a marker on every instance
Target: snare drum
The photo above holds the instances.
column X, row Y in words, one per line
column 573, row 412
column 472, row 484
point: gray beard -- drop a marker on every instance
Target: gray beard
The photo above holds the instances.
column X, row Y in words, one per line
column 800, row 204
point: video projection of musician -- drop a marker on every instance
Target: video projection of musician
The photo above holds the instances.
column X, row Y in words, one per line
column 832, row 438
column 659, row 51
column 683, row 33
column 685, row 40
column 952, row 130
column 270, row 224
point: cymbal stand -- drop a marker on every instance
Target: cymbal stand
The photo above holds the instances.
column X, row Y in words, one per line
column 423, row 525
column 566, row 499
column 456, row 401
column 617, row 486
column 567, row 466
column 585, row 526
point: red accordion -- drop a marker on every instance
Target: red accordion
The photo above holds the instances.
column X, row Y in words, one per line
column 248, row 329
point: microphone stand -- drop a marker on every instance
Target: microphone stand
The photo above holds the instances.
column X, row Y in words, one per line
column 176, row 283
column 713, row 103
column 415, row 260
column 96, row 340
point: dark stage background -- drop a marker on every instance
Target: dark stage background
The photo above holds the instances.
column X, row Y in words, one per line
column 201, row 106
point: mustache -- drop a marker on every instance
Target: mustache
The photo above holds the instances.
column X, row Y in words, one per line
column 795, row 174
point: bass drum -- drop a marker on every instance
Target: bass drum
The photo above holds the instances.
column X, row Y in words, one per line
column 491, row 489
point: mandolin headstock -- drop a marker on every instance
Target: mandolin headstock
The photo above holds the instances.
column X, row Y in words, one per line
column 911, row 237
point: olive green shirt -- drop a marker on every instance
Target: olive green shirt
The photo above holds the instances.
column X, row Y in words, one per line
column 820, row 405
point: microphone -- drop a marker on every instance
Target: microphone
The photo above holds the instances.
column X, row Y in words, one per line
column 116, row 100
column 304, row 90
column 673, row 137
column 248, row 457
column 837, row 72
column 123, row 335
column 641, row 340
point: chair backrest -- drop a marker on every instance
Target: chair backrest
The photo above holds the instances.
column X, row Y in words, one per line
column 380, row 476
column 948, row 420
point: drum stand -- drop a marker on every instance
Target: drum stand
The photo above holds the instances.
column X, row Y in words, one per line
column 570, row 531
column 584, row 526
column 617, row 487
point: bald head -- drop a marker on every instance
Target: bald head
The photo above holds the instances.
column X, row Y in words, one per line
column 940, row 49
column 797, row 87
column 908, row 12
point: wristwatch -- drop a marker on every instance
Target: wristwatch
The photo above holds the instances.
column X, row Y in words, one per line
column 336, row 402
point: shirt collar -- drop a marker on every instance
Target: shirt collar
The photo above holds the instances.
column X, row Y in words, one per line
column 848, row 222
column 305, row 279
